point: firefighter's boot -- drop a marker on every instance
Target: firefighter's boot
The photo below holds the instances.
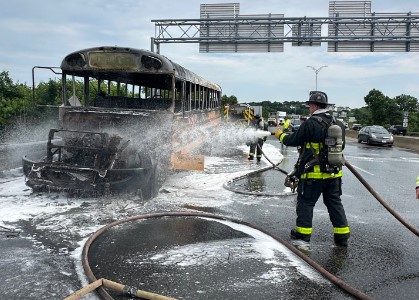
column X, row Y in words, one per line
column 299, row 236
column 341, row 240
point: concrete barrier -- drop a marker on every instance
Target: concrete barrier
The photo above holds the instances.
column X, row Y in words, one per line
column 408, row 142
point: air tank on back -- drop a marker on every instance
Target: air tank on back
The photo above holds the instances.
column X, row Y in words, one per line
column 335, row 145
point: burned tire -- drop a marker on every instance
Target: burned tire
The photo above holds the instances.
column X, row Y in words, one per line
column 148, row 186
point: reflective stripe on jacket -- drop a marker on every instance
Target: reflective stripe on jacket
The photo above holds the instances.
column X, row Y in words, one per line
column 316, row 173
column 310, row 137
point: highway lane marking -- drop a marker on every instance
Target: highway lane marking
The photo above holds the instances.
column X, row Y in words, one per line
column 363, row 170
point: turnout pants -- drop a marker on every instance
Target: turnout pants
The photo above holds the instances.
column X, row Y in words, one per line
column 254, row 147
column 309, row 191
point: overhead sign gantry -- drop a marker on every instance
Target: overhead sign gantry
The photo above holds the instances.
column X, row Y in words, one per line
column 350, row 27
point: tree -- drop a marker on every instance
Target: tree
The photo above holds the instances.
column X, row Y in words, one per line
column 8, row 89
column 230, row 100
column 14, row 98
column 362, row 115
column 406, row 103
column 49, row 93
column 377, row 103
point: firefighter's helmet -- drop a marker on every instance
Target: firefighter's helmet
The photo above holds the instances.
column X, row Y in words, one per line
column 318, row 98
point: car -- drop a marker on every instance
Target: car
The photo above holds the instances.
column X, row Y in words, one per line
column 356, row 127
column 295, row 124
column 375, row 135
column 397, row 129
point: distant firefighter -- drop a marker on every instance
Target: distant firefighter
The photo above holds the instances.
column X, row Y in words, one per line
column 257, row 123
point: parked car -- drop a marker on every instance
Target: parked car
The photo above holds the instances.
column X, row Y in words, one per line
column 397, row 129
column 375, row 134
column 356, row 126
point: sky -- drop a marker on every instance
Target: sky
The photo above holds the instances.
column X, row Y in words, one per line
column 43, row 32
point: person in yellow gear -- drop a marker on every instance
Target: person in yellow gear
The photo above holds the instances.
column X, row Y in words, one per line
column 417, row 187
column 313, row 178
column 287, row 124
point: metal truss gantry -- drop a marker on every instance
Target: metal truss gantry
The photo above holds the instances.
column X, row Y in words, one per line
column 362, row 32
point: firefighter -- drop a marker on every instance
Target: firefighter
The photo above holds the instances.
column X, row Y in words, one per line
column 417, row 187
column 257, row 123
column 313, row 179
column 287, row 124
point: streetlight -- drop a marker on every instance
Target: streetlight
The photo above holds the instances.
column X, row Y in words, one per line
column 316, row 71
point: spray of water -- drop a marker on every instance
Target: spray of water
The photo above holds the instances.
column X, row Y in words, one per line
column 220, row 140
column 23, row 138
column 26, row 132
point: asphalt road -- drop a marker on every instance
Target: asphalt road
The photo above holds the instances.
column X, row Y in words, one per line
column 383, row 256
column 382, row 259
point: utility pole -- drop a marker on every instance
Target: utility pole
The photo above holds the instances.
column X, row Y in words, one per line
column 317, row 72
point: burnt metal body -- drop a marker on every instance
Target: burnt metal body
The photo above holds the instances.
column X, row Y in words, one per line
column 88, row 163
column 120, row 114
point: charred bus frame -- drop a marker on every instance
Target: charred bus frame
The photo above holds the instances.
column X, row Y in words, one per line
column 161, row 91
column 152, row 74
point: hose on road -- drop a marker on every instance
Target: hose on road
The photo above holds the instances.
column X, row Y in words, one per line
column 380, row 199
column 334, row 279
column 227, row 185
column 105, row 295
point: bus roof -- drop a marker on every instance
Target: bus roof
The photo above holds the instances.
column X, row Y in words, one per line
column 128, row 65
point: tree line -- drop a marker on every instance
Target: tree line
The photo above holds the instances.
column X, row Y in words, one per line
column 379, row 109
column 16, row 101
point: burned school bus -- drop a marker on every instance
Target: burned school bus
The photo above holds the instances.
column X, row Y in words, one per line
column 123, row 111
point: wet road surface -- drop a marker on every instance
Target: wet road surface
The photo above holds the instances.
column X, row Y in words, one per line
column 382, row 259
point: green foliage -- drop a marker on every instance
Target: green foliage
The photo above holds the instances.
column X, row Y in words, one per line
column 386, row 111
column 377, row 103
column 362, row 115
column 48, row 93
column 228, row 100
column 413, row 122
column 290, row 107
column 16, row 100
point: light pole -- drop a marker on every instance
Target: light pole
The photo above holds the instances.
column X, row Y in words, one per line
column 316, row 71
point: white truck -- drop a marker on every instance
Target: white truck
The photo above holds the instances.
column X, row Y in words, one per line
column 281, row 117
column 276, row 119
column 272, row 119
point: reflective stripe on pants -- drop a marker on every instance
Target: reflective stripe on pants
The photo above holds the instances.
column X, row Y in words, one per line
column 304, row 230
column 341, row 230
column 309, row 191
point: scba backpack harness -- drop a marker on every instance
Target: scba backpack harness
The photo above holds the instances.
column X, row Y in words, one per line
column 330, row 157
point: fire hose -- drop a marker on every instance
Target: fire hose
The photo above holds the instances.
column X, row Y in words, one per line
column 334, row 279
column 380, row 199
column 227, row 185
column 105, row 295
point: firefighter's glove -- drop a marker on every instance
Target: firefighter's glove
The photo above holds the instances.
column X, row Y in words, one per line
column 278, row 133
column 291, row 181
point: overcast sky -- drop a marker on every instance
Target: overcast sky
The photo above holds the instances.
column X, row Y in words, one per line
column 43, row 32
